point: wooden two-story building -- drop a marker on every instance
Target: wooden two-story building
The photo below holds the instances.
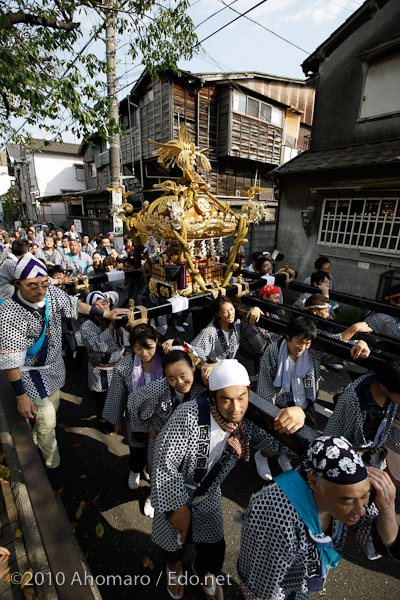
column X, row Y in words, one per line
column 249, row 122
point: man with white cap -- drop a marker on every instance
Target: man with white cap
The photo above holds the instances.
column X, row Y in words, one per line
column 194, row 453
column 294, row 529
column 30, row 350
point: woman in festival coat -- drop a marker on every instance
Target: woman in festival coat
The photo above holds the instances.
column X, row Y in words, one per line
column 105, row 345
column 150, row 407
column 134, row 372
column 222, row 337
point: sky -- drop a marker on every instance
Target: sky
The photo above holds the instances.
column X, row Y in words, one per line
column 245, row 45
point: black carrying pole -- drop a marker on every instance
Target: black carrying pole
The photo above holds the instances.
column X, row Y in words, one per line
column 263, row 413
column 381, row 342
column 357, row 301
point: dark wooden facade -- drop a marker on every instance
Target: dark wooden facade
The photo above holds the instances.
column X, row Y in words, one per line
column 349, row 180
column 242, row 148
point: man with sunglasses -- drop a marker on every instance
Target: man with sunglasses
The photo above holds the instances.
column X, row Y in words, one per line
column 30, row 342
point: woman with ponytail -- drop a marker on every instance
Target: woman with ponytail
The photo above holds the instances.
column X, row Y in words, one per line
column 150, row 407
column 131, row 374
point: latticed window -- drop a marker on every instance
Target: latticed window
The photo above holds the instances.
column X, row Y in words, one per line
column 368, row 223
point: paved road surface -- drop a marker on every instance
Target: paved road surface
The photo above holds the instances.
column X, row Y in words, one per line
column 96, row 468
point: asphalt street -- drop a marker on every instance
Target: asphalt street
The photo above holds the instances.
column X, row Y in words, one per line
column 123, row 559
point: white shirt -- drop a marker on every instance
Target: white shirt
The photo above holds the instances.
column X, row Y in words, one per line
column 146, row 377
column 179, row 395
column 297, row 387
column 270, row 279
column 218, row 440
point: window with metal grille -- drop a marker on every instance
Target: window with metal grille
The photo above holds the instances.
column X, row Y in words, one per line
column 368, row 223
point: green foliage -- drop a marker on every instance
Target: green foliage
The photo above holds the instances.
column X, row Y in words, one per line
column 11, row 201
column 44, row 76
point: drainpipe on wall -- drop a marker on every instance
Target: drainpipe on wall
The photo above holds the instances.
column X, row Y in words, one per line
column 277, row 215
column 140, row 140
column 198, row 118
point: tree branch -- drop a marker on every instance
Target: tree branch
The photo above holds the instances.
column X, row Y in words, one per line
column 67, row 16
column 14, row 18
column 6, row 104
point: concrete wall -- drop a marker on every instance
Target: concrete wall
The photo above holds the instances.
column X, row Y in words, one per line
column 341, row 84
column 55, row 212
column 355, row 271
column 260, row 237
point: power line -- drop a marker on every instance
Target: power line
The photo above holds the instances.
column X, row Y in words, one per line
column 223, row 68
column 323, row 10
column 340, row 6
column 216, row 13
column 266, row 28
column 84, row 47
column 230, row 22
column 194, row 46
column 198, row 25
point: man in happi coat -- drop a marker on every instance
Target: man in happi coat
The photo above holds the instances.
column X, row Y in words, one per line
column 194, row 452
column 30, row 350
column 294, row 529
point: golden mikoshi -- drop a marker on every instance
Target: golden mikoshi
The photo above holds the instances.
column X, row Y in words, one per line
column 185, row 216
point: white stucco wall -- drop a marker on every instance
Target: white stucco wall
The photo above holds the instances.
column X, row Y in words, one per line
column 56, row 172
column 5, row 180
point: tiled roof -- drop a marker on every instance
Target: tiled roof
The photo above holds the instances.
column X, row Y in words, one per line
column 15, row 150
column 247, row 75
column 376, row 153
column 58, row 147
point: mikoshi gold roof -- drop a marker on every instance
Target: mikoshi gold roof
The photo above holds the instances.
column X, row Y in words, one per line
column 186, row 209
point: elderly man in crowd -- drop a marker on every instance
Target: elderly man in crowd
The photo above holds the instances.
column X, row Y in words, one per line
column 31, row 235
column 294, row 530
column 64, row 248
column 48, row 253
column 73, row 234
column 78, row 261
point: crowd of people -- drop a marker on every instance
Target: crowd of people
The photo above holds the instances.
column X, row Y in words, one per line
column 182, row 406
column 76, row 253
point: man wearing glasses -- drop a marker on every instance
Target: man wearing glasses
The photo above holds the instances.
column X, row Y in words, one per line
column 30, row 342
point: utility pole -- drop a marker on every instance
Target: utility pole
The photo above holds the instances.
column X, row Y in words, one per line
column 112, row 99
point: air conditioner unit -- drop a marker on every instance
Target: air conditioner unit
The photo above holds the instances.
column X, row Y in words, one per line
column 102, row 159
